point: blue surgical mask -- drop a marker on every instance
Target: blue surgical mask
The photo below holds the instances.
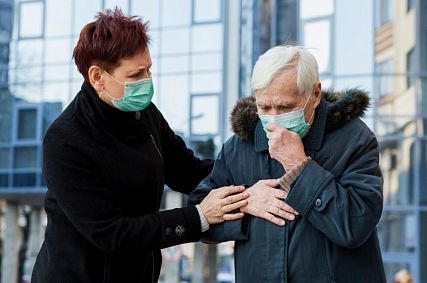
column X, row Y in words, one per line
column 136, row 97
column 293, row 121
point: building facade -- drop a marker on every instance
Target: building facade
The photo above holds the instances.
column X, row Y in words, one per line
column 203, row 57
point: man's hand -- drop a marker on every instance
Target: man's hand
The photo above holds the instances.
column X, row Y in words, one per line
column 219, row 202
column 285, row 146
column 266, row 201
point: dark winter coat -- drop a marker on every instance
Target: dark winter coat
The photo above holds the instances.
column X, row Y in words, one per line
column 338, row 195
column 105, row 171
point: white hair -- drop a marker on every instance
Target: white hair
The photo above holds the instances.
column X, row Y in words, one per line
column 270, row 64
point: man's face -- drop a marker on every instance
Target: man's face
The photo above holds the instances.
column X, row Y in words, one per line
column 281, row 96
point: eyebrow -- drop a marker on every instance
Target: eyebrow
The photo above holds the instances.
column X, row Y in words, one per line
column 139, row 68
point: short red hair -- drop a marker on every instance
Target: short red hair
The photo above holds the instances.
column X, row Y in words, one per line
column 110, row 38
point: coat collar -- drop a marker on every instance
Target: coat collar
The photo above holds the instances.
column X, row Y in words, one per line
column 335, row 109
column 312, row 141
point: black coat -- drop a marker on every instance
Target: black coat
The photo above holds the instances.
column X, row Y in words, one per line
column 105, row 171
column 338, row 195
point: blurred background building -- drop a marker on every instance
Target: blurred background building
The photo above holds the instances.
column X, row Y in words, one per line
column 203, row 53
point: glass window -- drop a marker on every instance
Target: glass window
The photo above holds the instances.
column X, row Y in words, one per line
column 27, row 124
column 174, row 101
column 410, row 67
column 57, row 93
column 204, row 114
column 4, row 180
column 206, row 62
column 55, row 72
column 30, row 92
column 396, row 160
column 51, row 111
column 391, row 268
column 148, row 10
column 206, row 11
column 27, row 74
column 122, row 4
column 423, row 244
column 85, row 13
column 174, row 64
column 58, row 17
column 206, row 83
column 31, row 19
column 25, row 157
column 423, row 176
column 385, row 78
column 4, row 158
column 42, row 181
column 207, row 38
column 316, row 8
column 171, row 16
column 384, row 11
column 397, row 231
column 317, row 40
column 410, row 4
column 29, row 52
column 154, row 43
column 58, row 50
column 175, row 41
column 24, row 180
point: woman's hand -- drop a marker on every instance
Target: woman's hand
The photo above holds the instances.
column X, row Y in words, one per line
column 219, row 202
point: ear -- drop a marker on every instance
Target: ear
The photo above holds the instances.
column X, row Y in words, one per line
column 317, row 92
column 95, row 78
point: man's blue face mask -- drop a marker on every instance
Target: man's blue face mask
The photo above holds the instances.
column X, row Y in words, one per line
column 293, row 121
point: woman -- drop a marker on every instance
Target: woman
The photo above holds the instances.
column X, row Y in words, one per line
column 106, row 160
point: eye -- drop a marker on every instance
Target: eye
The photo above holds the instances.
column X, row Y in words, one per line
column 137, row 74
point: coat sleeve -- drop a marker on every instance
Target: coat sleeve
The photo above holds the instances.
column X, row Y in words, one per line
column 183, row 171
column 345, row 208
column 92, row 208
column 228, row 230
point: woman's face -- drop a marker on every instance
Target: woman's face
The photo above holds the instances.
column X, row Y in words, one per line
column 130, row 69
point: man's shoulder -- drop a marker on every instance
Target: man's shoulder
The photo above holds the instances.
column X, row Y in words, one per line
column 237, row 146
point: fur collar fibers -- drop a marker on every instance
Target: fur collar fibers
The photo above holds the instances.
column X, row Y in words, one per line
column 342, row 107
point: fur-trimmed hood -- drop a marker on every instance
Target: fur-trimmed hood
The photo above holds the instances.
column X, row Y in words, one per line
column 342, row 107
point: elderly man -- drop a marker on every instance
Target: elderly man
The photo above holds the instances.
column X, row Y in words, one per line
column 311, row 168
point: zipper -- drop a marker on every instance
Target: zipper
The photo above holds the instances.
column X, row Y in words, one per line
column 155, row 145
column 105, row 269
column 152, row 273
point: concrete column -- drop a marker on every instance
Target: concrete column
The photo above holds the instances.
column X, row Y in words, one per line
column 11, row 243
column 35, row 239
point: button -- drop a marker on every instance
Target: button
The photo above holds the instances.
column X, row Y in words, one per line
column 180, row 231
column 168, row 231
column 318, row 202
column 137, row 115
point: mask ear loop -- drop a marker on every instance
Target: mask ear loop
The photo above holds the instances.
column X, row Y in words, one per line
column 109, row 95
column 114, row 78
column 312, row 114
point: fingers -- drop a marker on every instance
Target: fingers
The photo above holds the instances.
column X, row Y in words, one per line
column 235, row 198
column 279, row 212
column 226, row 191
column 271, row 182
column 284, row 206
column 230, row 207
column 233, row 216
column 273, row 219
column 280, row 194
column 273, row 127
